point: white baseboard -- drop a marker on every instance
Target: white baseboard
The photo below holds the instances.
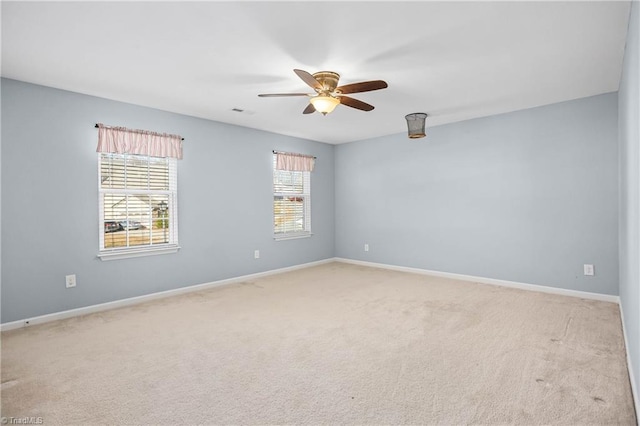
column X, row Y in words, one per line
column 632, row 377
column 148, row 297
column 145, row 298
column 492, row 281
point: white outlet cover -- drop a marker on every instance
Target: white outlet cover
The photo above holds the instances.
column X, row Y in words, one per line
column 70, row 281
column 588, row 270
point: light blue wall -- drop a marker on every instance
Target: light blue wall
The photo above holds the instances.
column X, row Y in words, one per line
column 528, row 196
column 50, row 203
column 629, row 122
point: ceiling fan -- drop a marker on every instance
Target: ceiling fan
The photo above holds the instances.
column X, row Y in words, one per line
column 328, row 94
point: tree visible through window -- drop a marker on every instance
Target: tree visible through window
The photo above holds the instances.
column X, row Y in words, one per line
column 291, row 203
column 138, row 197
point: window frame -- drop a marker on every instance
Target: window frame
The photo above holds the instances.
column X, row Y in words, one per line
column 306, row 197
column 172, row 208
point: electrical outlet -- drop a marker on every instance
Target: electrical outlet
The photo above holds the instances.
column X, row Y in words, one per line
column 366, row 247
column 589, row 270
column 256, row 254
column 70, row 280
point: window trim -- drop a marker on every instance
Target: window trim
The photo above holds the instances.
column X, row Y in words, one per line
column 127, row 253
column 292, row 235
column 107, row 254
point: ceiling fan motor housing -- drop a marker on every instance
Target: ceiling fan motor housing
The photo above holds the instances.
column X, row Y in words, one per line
column 328, row 80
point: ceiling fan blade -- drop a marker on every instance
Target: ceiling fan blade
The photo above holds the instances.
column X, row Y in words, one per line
column 275, row 95
column 309, row 79
column 309, row 109
column 365, row 86
column 354, row 103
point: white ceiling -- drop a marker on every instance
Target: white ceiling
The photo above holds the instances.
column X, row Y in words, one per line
column 452, row 60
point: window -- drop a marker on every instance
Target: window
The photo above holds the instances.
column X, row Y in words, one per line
column 138, row 192
column 291, row 203
column 138, row 205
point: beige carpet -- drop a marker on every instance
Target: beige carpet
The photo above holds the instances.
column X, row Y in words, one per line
column 332, row 344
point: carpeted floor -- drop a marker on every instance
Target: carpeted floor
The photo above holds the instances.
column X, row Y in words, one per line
column 332, row 344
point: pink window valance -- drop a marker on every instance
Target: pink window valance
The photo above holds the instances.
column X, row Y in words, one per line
column 142, row 142
column 294, row 162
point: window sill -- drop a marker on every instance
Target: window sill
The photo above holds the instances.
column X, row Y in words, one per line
column 138, row 252
column 282, row 237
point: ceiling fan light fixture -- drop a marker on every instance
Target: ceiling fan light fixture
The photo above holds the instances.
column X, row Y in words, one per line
column 415, row 123
column 324, row 104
